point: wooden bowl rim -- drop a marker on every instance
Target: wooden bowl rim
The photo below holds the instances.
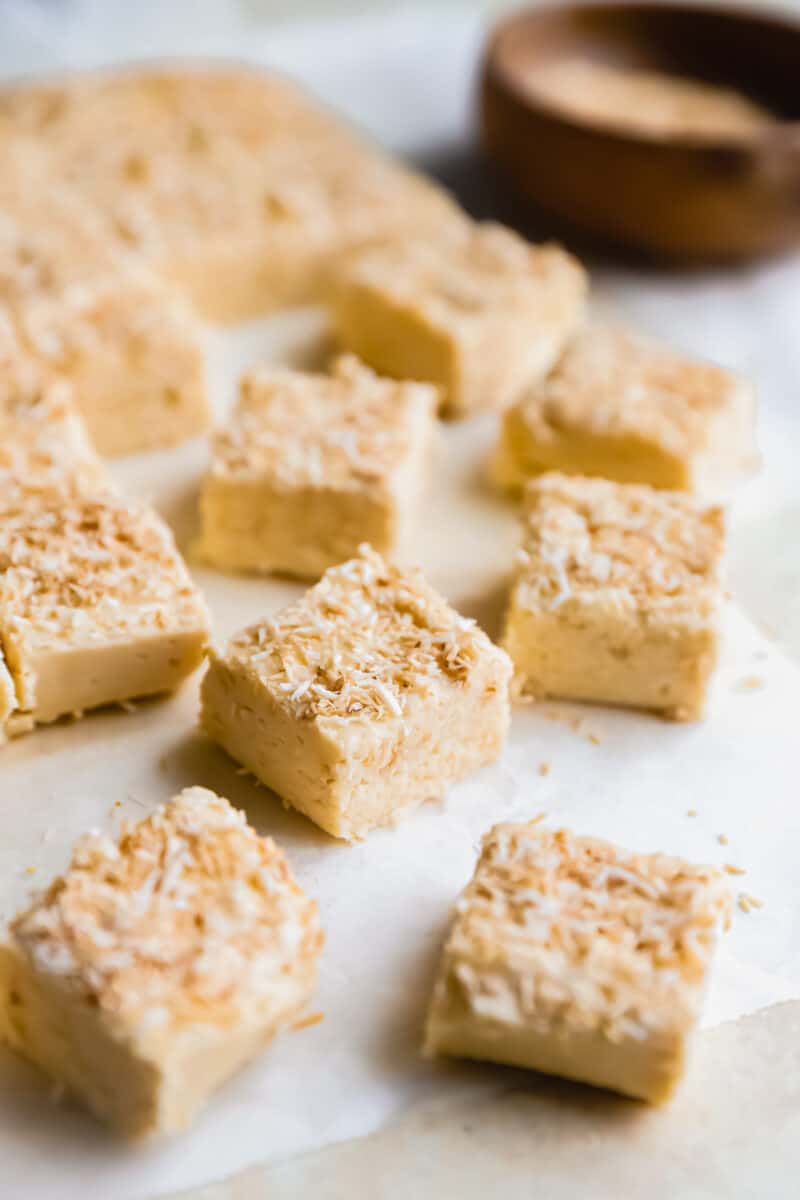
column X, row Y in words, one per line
column 780, row 135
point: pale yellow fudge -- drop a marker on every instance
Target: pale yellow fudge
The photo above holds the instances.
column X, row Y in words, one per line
column 620, row 406
column 159, row 963
column 646, row 103
column 617, row 595
column 362, row 699
column 232, row 183
column 96, row 605
column 43, row 440
column 575, row 957
column 8, row 699
column 480, row 311
column 81, row 309
column 311, row 466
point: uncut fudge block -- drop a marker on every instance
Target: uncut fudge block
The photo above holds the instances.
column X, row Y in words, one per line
column 159, row 964
column 617, row 595
column 362, row 699
column 575, row 957
column 311, row 466
column 479, row 312
column 8, row 699
column 96, row 605
column 622, row 407
column 232, row 184
column 82, row 310
column 43, row 441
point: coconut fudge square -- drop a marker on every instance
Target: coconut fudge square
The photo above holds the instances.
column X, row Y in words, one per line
column 159, row 963
column 620, row 406
column 617, row 595
column 480, row 312
column 43, row 441
column 311, row 466
column 96, row 605
column 575, row 957
column 364, row 698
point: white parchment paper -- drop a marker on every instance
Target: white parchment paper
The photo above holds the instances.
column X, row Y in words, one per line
column 385, row 903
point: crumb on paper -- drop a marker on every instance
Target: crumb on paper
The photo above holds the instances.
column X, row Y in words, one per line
column 747, row 902
column 306, row 1022
column 544, row 768
column 750, row 683
column 30, row 870
column 691, row 812
column 541, row 816
column 732, row 869
column 723, row 839
column 594, row 739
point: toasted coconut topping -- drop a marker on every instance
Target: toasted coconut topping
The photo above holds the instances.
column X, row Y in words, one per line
column 627, row 543
column 189, row 918
column 558, row 931
column 611, row 383
column 79, row 566
column 654, row 104
column 351, row 429
column 43, row 441
column 361, row 642
column 472, row 271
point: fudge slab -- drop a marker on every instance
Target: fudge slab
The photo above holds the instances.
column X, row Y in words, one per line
column 578, row 958
column 623, row 407
column 96, row 605
column 617, row 595
column 311, row 466
column 366, row 697
column 159, row 963
column 478, row 311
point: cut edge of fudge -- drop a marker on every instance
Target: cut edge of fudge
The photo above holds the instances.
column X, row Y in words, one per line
column 310, row 466
column 96, row 604
column 619, row 405
column 575, row 957
column 365, row 697
column 617, row 596
column 159, row 963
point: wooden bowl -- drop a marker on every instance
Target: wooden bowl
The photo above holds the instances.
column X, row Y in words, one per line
column 680, row 197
